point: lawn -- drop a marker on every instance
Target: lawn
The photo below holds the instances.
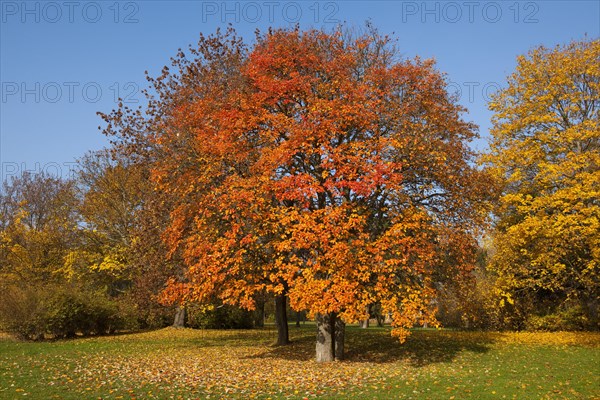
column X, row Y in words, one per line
column 189, row 364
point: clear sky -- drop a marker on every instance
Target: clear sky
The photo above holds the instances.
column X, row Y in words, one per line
column 61, row 61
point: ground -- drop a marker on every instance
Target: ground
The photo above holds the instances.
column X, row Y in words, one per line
column 199, row 364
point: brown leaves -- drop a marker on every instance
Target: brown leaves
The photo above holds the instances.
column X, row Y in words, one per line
column 228, row 364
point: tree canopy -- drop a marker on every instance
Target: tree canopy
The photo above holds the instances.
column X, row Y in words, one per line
column 546, row 150
column 318, row 165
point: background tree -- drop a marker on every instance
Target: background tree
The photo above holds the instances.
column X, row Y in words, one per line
column 152, row 266
column 39, row 225
column 111, row 193
column 125, row 218
column 66, row 249
column 40, row 290
column 546, row 150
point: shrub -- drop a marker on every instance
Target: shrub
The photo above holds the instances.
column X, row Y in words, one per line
column 62, row 312
column 142, row 311
column 570, row 319
column 22, row 312
column 65, row 314
column 219, row 317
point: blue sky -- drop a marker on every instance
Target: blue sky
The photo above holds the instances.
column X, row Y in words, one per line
column 62, row 61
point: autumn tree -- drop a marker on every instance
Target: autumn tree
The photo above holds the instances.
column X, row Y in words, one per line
column 39, row 224
column 38, row 227
column 546, row 150
column 124, row 219
column 318, row 166
column 110, row 193
column 59, row 274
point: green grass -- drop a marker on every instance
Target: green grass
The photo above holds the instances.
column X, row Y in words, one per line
column 185, row 363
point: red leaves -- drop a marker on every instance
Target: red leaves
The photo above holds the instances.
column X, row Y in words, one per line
column 297, row 187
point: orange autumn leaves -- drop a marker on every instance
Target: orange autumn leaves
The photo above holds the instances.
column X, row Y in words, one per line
column 324, row 168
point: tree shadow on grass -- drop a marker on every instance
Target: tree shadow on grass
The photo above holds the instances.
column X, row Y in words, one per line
column 422, row 347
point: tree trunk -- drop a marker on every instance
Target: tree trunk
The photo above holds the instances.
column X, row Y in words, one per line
column 325, row 347
column 365, row 324
column 259, row 314
column 330, row 337
column 383, row 319
column 340, row 338
column 592, row 309
column 281, row 320
column 298, row 317
column 180, row 315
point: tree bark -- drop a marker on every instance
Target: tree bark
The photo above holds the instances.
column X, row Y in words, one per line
column 365, row 324
column 330, row 337
column 592, row 309
column 259, row 314
column 325, row 347
column 281, row 320
column 180, row 315
column 384, row 319
column 340, row 338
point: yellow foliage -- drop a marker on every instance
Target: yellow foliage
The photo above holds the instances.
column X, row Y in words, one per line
column 546, row 151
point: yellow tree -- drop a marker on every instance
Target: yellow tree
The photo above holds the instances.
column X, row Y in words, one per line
column 38, row 225
column 120, row 247
column 545, row 149
column 112, row 191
